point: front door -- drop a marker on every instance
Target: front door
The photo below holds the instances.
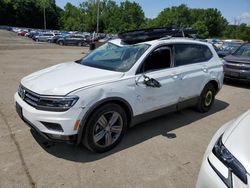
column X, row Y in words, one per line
column 157, row 66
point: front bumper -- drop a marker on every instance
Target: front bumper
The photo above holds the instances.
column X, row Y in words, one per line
column 56, row 126
column 237, row 74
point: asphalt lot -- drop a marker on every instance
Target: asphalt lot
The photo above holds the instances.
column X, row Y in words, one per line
column 164, row 152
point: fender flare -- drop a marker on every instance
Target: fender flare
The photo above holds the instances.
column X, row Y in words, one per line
column 118, row 100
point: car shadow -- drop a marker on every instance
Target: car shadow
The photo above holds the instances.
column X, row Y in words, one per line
column 237, row 83
column 159, row 126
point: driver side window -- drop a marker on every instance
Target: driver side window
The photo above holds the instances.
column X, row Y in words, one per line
column 159, row 59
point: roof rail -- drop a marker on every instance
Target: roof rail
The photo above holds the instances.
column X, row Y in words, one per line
column 165, row 38
column 142, row 35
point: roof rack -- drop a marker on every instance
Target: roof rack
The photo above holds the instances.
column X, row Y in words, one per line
column 143, row 35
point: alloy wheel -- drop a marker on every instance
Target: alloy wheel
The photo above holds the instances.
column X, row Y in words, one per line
column 208, row 98
column 107, row 129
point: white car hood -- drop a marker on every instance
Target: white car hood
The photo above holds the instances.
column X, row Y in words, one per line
column 237, row 140
column 66, row 77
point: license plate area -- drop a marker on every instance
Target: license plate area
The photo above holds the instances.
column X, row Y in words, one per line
column 19, row 110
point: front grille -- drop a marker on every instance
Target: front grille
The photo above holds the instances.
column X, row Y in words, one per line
column 28, row 96
column 237, row 66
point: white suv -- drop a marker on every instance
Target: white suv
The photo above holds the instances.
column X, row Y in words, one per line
column 94, row 100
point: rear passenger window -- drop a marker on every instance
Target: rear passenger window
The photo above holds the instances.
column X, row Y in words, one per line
column 191, row 53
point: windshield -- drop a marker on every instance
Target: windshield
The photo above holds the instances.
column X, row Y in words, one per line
column 230, row 47
column 116, row 58
column 243, row 51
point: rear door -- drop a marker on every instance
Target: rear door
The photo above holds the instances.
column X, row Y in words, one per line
column 191, row 68
column 69, row 39
column 79, row 39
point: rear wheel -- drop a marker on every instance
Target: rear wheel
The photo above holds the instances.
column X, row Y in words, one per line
column 206, row 98
column 105, row 128
column 61, row 43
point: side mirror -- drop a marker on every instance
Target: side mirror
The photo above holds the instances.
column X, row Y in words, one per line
column 151, row 82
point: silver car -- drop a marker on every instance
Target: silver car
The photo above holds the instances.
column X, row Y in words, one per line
column 44, row 37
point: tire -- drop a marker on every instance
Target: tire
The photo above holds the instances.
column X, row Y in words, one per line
column 105, row 128
column 61, row 43
column 85, row 44
column 79, row 44
column 206, row 98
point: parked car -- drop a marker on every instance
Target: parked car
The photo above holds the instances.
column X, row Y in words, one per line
column 237, row 65
column 35, row 35
column 57, row 36
column 234, row 41
column 94, row 100
column 32, row 33
column 72, row 39
column 226, row 162
column 228, row 48
column 22, row 33
column 218, row 44
column 16, row 30
column 44, row 37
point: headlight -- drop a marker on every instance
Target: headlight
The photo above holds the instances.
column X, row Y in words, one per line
column 233, row 165
column 56, row 103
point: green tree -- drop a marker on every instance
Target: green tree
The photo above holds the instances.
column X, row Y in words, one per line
column 177, row 16
column 27, row 13
column 202, row 29
column 230, row 32
column 72, row 18
column 131, row 15
column 209, row 22
column 89, row 9
column 243, row 32
column 110, row 18
column 215, row 22
column 113, row 18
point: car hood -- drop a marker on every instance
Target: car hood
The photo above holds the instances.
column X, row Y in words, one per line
column 237, row 139
column 237, row 59
column 66, row 77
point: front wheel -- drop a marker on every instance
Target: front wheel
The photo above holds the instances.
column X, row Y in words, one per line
column 79, row 44
column 105, row 128
column 206, row 98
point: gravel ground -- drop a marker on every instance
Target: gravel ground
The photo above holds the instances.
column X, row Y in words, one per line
column 164, row 152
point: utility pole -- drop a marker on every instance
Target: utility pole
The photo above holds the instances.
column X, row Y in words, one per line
column 44, row 17
column 97, row 17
